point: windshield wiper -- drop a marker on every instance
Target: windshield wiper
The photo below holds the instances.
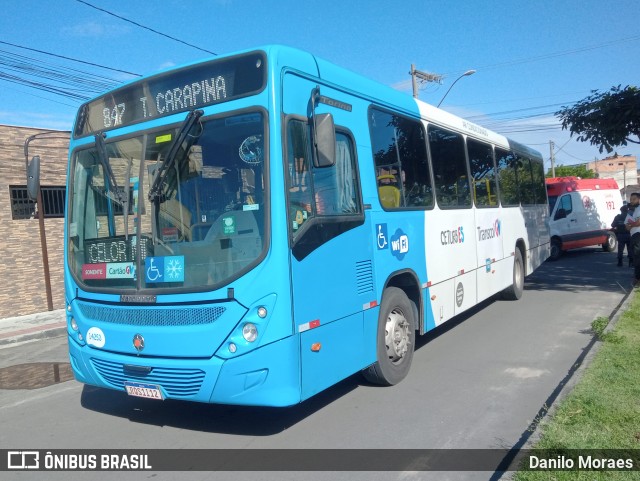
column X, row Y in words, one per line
column 113, row 191
column 155, row 192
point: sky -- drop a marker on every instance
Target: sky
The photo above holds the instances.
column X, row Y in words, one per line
column 531, row 57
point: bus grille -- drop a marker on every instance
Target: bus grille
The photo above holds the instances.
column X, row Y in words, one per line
column 152, row 316
column 175, row 381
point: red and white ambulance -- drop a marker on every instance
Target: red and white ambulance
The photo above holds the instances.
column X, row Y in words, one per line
column 581, row 213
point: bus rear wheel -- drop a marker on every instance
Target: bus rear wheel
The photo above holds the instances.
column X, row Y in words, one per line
column 515, row 290
column 395, row 339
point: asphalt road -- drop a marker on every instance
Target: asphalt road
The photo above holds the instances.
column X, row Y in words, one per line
column 480, row 381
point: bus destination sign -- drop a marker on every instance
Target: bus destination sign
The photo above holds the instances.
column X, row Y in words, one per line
column 165, row 94
column 116, row 249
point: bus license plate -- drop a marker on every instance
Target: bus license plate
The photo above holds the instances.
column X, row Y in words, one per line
column 149, row 391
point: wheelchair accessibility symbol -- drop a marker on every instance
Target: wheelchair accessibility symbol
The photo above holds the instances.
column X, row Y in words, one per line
column 153, row 273
column 381, row 237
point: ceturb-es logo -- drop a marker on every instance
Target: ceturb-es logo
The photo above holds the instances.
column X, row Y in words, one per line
column 453, row 236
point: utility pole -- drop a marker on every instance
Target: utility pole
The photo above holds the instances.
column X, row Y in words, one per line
column 424, row 77
column 553, row 159
column 40, row 211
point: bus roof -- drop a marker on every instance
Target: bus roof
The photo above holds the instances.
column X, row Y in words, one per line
column 299, row 60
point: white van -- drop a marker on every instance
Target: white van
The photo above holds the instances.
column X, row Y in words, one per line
column 581, row 213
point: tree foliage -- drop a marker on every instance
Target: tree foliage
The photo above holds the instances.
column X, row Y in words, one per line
column 573, row 171
column 606, row 119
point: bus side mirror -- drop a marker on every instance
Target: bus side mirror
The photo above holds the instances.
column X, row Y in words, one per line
column 33, row 177
column 324, row 138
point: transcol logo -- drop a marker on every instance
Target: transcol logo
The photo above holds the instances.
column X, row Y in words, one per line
column 491, row 232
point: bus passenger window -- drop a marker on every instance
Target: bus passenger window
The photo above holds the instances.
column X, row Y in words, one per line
column 401, row 162
column 449, row 168
column 483, row 173
column 525, row 180
column 507, row 177
column 537, row 169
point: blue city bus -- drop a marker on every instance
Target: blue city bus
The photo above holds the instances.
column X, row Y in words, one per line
column 255, row 228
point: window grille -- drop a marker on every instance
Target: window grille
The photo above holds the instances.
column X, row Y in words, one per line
column 53, row 200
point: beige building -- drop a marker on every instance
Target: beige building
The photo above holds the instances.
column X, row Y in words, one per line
column 622, row 168
column 23, row 288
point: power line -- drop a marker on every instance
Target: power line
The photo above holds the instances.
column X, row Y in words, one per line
column 43, row 98
column 38, row 68
column 525, row 109
column 72, row 59
column 561, row 53
column 146, row 28
column 567, row 153
column 53, row 78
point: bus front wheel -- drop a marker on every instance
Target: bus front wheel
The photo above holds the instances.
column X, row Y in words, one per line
column 395, row 339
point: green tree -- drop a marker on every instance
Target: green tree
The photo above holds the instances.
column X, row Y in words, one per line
column 573, row 171
column 606, row 119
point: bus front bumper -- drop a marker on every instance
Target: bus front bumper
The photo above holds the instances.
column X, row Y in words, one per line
column 266, row 376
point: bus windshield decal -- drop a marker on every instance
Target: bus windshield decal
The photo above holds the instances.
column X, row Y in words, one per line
column 166, row 94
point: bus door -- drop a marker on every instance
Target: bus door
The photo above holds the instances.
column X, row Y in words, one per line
column 451, row 243
column 489, row 250
column 488, row 221
column 331, row 255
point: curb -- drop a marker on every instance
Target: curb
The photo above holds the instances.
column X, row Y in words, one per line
column 17, row 330
column 43, row 332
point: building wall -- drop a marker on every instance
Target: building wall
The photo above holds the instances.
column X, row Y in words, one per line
column 23, row 288
column 622, row 168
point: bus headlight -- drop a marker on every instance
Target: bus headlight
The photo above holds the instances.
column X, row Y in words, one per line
column 249, row 332
column 74, row 324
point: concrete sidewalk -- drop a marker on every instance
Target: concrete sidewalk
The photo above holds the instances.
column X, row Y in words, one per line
column 16, row 330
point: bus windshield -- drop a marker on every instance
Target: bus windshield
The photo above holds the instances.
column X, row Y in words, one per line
column 154, row 213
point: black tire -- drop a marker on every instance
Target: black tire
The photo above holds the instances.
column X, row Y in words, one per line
column 395, row 340
column 556, row 250
column 611, row 243
column 515, row 290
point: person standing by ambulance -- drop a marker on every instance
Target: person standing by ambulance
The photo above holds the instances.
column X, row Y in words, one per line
column 632, row 223
column 622, row 235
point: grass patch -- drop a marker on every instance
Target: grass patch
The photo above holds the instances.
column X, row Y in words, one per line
column 598, row 327
column 603, row 410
